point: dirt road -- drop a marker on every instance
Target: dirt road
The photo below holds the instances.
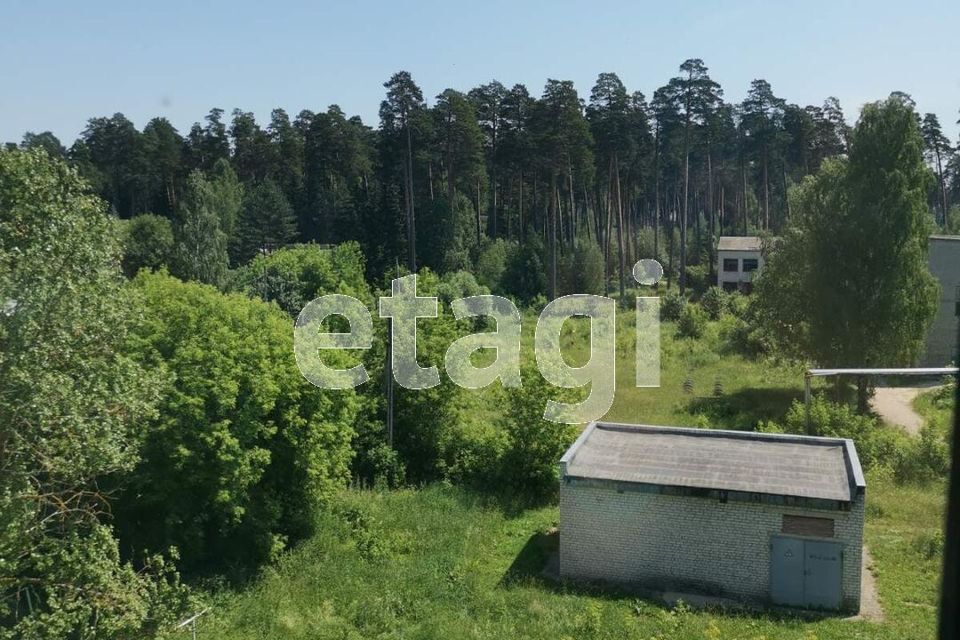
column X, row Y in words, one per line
column 895, row 406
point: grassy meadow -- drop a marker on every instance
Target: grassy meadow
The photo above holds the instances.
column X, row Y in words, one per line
column 442, row 562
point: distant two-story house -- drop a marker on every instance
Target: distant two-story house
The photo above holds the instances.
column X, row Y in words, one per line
column 739, row 259
column 944, row 259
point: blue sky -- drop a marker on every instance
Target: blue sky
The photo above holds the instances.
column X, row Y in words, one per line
column 64, row 62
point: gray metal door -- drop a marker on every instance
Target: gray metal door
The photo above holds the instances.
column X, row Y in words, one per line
column 823, row 562
column 806, row 573
column 786, row 571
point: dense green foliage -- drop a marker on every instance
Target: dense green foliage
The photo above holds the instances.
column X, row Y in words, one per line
column 71, row 400
column 607, row 170
column 202, row 234
column 147, row 243
column 266, row 221
column 165, row 413
column 691, row 322
column 840, row 296
column 243, row 449
column 528, row 466
column 295, row 275
column 714, row 302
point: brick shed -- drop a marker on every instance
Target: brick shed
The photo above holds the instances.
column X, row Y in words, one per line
column 757, row 517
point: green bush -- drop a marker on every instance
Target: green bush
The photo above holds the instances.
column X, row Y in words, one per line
column 672, row 306
column 492, row 263
column 583, row 271
column 698, row 277
column 244, row 449
column 910, row 459
column 379, row 465
column 422, row 417
column 714, row 302
column 738, row 305
column 952, row 223
column 929, row 544
column 293, row 276
column 459, row 284
column 147, row 243
column 744, row 330
column 924, row 458
column 472, row 452
column 525, row 276
column 646, row 241
column 692, row 322
column 528, row 466
column 876, row 445
column 72, row 403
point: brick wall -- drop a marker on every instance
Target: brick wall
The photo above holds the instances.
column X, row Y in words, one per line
column 686, row 543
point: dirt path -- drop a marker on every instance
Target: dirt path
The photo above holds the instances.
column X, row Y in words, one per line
column 895, row 406
column 870, row 608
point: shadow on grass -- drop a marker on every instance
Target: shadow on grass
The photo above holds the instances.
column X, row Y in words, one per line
column 743, row 409
column 538, row 565
column 538, row 560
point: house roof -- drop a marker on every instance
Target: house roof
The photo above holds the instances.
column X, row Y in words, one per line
column 739, row 243
column 738, row 461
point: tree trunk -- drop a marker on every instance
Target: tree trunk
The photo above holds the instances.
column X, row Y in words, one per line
column 766, row 192
column 710, row 212
column 743, row 202
column 560, row 223
column 670, row 242
column 656, row 195
column 478, row 211
column 588, row 218
column 616, row 172
column 552, row 233
column 533, row 204
column 607, row 234
column 786, row 200
column 943, row 191
column 451, row 178
column 411, row 213
column 520, row 221
column 683, row 218
column 492, row 223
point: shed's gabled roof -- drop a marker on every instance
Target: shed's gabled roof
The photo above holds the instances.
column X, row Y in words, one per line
column 763, row 463
column 739, row 243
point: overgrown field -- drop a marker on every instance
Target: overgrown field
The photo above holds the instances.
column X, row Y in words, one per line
column 439, row 563
column 444, row 562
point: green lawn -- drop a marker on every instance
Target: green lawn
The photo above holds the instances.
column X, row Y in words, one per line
column 440, row 562
column 728, row 391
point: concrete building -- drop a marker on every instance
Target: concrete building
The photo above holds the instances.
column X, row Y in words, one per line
column 739, row 258
column 944, row 260
column 766, row 518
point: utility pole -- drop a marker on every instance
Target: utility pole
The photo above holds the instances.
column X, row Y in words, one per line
column 388, row 375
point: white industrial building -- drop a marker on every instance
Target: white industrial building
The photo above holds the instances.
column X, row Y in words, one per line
column 944, row 259
column 766, row 518
column 739, row 259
